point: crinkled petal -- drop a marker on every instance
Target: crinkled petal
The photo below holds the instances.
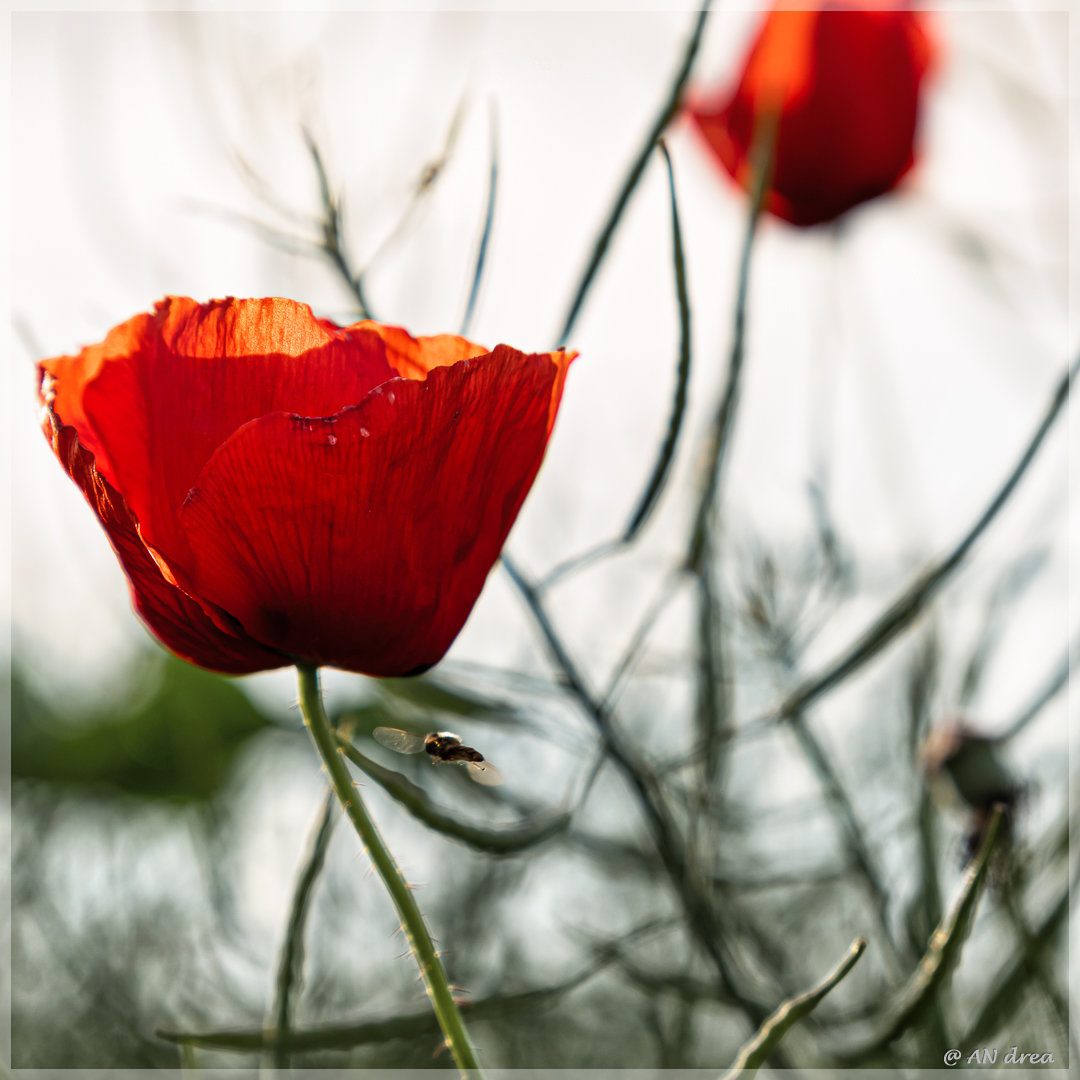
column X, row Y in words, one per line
column 158, row 397
column 176, row 619
column 362, row 540
column 413, row 358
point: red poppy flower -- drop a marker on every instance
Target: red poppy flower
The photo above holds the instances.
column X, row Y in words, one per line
column 279, row 488
column 844, row 83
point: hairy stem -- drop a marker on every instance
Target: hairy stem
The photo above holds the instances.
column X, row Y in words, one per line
column 416, row 931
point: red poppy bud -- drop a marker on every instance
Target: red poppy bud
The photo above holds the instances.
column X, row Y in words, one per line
column 279, row 488
column 844, row 83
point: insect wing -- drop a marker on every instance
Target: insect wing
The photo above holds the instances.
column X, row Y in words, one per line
column 483, row 772
column 401, row 742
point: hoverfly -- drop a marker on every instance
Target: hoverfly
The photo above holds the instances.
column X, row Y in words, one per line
column 442, row 746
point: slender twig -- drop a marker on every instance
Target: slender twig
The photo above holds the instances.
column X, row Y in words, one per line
column 993, row 624
column 664, row 595
column 838, row 570
column 914, row 599
column 924, row 912
column 615, row 949
column 580, row 561
column 333, row 240
column 837, row 798
column 700, row 916
column 347, row 1036
column 664, row 458
column 1055, row 683
column 291, row 960
column 330, row 243
column 437, row 695
column 715, row 690
column 756, row 1052
column 509, row 841
column 489, row 221
column 929, row 894
column 288, row 242
column 664, row 117
column 661, row 469
column 943, row 952
column 438, row 987
column 677, row 982
column 833, row 788
column 814, row 878
column 1009, row 988
column 764, row 145
column 1031, row 951
column 265, row 193
column 425, row 184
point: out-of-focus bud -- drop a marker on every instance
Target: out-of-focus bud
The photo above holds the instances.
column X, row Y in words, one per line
column 971, row 763
column 843, row 80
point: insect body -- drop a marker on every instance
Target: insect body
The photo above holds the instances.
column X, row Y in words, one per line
column 442, row 746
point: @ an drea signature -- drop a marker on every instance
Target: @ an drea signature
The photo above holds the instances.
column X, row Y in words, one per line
column 990, row 1055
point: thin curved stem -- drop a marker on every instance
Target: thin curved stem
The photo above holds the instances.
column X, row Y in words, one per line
column 291, row 962
column 416, row 931
column 701, row 918
column 510, row 840
column 756, row 1052
column 1057, row 681
column 667, row 111
column 915, row 598
column 489, row 221
column 333, row 241
column 350, row 1034
column 943, row 950
column 764, row 147
column 665, row 457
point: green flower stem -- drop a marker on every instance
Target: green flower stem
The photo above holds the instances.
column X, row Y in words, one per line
column 765, row 1041
column 442, row 1000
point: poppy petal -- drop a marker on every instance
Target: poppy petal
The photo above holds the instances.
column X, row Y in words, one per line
column 362, row 540
column 413, row 358
column 175, row 618
column 157, row 398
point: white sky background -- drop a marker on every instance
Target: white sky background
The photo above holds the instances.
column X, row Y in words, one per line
column 915, row 355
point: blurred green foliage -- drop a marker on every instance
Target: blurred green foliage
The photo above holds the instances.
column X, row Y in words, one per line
column 177, row 739
column 179, row 730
